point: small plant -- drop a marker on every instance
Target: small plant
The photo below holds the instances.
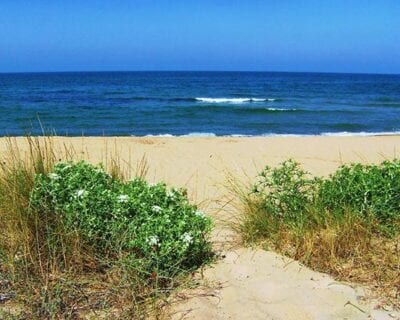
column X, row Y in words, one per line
column 285, row 192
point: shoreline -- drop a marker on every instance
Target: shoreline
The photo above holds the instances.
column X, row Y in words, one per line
column 201, row 164
column 213, row 135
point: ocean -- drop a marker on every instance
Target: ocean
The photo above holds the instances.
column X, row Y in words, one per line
column 199, row 103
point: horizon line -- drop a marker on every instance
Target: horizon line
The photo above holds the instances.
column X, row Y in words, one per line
column 199, row 71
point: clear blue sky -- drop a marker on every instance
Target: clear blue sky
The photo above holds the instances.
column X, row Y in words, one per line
column 291, row 35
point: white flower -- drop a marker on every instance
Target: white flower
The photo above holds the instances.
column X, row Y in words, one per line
column 152, row 241
column 123, row 198
column 80, row 193
column 200, row 214
column 54, row 176
column 187, row 238
column 156, row 209
column 171, row 194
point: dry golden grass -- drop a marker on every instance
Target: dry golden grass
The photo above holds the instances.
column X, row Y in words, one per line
column 350, row 253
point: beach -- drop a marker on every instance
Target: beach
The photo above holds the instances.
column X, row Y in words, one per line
column 272, row 287
column 200, row 160
column 201, row 164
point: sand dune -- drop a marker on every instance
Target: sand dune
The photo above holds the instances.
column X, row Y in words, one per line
column 246, row 283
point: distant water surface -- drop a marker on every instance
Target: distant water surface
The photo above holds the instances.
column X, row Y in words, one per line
column 199, row 103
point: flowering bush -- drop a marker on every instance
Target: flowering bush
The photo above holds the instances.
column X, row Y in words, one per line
column 155, row 228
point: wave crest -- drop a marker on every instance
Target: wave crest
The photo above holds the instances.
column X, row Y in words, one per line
column 234, row 100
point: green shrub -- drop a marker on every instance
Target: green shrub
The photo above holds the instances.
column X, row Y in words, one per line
column 365, row 189
column 155, row 229
column 285, row 192
column 288, row 194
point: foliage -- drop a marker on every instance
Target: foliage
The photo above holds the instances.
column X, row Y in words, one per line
column 368, row 191
column 156, row 227
column 285, row 192
column 365, row 189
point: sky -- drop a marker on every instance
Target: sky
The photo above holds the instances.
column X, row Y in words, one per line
column 232, row 35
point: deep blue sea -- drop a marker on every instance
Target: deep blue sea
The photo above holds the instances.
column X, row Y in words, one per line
column 199, row 103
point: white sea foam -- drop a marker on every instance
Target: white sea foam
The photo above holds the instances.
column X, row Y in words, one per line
column 360, row 134
column 233, row 100
column 280, row 109
column 282, row 135
column 333, row 134
column 200, row 134
column 166, row 135
column 240, row 135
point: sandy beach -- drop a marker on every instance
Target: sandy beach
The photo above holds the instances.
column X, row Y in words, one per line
column 272, row 287
column 201, row 163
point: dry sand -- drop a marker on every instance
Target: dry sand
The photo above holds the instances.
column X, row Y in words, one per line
column 248, row 284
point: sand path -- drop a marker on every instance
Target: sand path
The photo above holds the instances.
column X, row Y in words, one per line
column 247, row 283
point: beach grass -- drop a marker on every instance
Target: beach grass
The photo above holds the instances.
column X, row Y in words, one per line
column 347, row 224
column 81, row 240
